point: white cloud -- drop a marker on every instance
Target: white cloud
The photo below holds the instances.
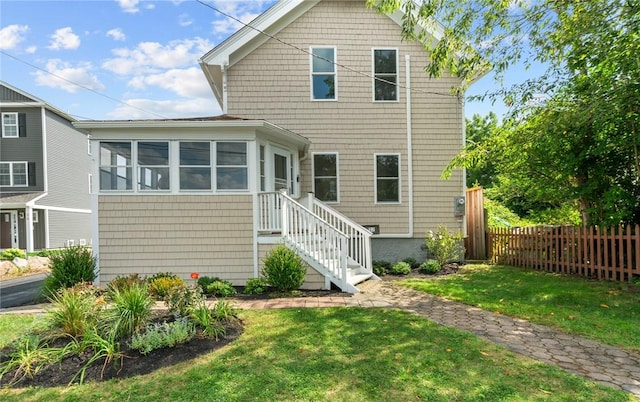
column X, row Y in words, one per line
column 184, row 20
column 12, row 35
column 116, row 34
column 31, row 49
column 64, row 38
column 189, row 82
column 129, row 6
column 244, row 10
column 228, row 25
column 175, row 108
column 150, row 57
column 64, row 76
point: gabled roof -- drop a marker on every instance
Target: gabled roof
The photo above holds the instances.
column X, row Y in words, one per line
column 35, row 101
column 251, row 36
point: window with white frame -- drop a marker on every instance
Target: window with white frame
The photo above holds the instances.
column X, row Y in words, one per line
column 116, row 171
column 387, row 168
column 324, row 78
column 263, row 179
column 10, row 127
column 195, row 165
column 231, row 166
column 153, row 165
column 13, row 174
column 325, row 176
column 385, row 75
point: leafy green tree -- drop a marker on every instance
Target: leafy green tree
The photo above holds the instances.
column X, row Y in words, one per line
column 579, row 142
column 478, row 130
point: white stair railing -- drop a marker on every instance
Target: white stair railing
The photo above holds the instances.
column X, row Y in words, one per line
column 359, row 237
column 270, row 212
column 315, row 239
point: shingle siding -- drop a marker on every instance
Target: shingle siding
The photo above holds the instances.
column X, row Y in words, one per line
column 273, row 83
column 211, row 235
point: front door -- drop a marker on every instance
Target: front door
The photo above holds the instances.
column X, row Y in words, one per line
column 8, row 229
column 281, row 169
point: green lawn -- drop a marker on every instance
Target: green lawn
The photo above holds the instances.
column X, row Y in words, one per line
column 608, row 312
column 341, row 354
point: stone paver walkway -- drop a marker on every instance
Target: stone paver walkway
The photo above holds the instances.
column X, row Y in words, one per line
column 602, row 363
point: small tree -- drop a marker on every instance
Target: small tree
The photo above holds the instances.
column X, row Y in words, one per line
column 69, row 267
column 284, row 269
column 445, row 246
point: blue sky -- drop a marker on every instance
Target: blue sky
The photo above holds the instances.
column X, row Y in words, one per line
column 142, row 53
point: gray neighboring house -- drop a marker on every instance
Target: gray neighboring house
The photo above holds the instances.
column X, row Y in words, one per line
column 44, row 175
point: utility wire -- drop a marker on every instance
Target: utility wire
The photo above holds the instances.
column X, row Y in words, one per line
column 353, row 70
column 81, row 86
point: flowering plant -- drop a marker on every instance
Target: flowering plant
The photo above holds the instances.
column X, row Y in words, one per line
column 445, row 246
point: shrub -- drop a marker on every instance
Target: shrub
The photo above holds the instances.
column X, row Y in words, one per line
column 69, row 267
column 11, row 253
column 206, row 319
column 412, row 262
column 400, row 268
column 182, row 299
column 430, row 267
column 221, row 288
column 380, row 267
column 166, row 334
column 131, row 309
column 284, row 269
column 256, row 286
column 121, row 282
column 74, row 310
column 159, row 286
column 445, row 246
column 223, row 311
column 205, row 281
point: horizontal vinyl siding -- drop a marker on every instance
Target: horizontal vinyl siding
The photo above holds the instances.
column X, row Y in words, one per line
column 313, row 281
column 273, row 83
column 65, row 226
column 211, row 235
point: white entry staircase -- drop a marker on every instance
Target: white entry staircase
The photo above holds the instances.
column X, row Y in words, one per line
column 331, row 243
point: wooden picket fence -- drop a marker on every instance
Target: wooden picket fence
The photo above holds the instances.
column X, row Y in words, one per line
column 593, row 252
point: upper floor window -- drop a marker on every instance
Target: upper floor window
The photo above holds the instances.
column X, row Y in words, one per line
column 385, row 75
column 10, row 125
column 13, row 174
column 195, row 165
column 325, row 177
column 387, row 178
column 153, row 165
column 231, row 166
column 115, row 166
column 323, row 73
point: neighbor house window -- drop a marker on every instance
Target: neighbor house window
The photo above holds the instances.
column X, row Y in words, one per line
column 231, row 166
column 10, row 125
column 325, row 177
column 153, row 165
column 195, row 166
column 13, row 174
column 323, row 73
column 387, row 178
column 115, row 166
column 385, row 73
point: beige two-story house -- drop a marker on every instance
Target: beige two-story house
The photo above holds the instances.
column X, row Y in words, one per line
column 332, row 141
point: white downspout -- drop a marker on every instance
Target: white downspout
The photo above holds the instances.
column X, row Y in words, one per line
column 407, row 59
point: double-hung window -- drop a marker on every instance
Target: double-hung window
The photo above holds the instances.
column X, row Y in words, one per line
column 325, row 176
column 10, row 125
column 231, row 166
column 153, row 165
column 387, row 167
column 115, row 165
column 385, row 75
column 195, row 165
column 324, row 79
column 13, row 174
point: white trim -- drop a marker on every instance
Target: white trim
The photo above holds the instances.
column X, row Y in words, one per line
column 61, row 209
column 225, row 90
column 313, row 174
column 17, row 125
column 375, row 178
column 47, row 240
column 373, row 75
column 313, row 73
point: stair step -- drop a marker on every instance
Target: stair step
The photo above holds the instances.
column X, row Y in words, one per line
column 358, row 278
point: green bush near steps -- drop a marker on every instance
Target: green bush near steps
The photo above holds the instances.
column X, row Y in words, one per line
column 400, row 268
column 284, row 269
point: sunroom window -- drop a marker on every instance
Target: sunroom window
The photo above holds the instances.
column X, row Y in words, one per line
column 231, row 166
column 153, row 165
column 115, row 166
column 323, row 73
column 195, row 166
